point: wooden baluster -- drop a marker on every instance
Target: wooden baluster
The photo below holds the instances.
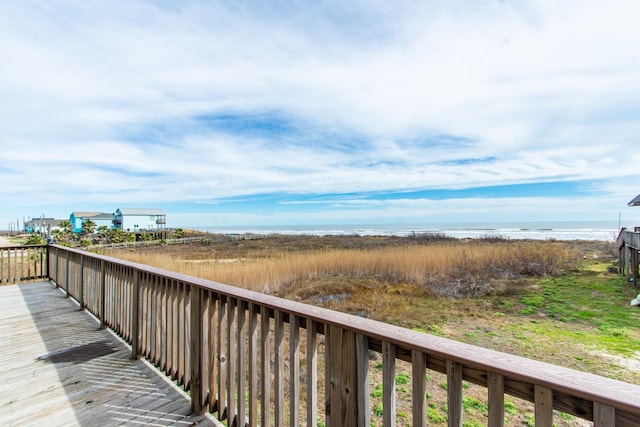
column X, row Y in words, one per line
column 454, row 393
column 312, row 373
column 181, row 331
column 196, row 349
column 241, row 341
column 103, row 285
column 294, row 371
column 66, row 279
column 603, row 415
column 495, row 386
column 81, row 286
column 362, row 380
column 214, row 398
column 278, row 387
column 133, row 319
column 389, row 384
column 419, row 378
column 253, row 365
column 222, row 358
column 232, row 349
column 342, row 361
column 543, row 401
column 265, row 370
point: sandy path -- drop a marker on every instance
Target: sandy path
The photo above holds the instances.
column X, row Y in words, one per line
column 4, row 241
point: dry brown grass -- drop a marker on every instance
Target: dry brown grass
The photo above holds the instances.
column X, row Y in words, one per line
column 452, row 268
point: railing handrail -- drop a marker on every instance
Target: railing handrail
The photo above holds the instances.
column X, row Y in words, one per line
column 629, row 238
column 620, row 395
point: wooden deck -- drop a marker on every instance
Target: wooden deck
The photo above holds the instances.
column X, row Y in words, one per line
column 57, row 368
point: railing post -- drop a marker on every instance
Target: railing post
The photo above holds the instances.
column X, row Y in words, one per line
column 134, row 311
column 342, row 386
column 196, row 350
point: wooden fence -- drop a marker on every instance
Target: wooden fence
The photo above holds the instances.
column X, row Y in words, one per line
column 628, row 247
column 22, row 263
column 257, row 360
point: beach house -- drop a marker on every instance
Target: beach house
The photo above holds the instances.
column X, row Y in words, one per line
column 130, row 219
column 41, row 225
column 99, row 218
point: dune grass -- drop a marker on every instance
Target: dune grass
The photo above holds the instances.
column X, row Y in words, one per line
column 459, row 268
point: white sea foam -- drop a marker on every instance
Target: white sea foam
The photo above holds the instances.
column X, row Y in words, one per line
column 593, row 230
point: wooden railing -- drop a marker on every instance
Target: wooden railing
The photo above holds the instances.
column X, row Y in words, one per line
column 22, row 263
column 628, row 248
column 258, row 360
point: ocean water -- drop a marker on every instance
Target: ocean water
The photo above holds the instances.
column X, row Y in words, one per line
column 558, row 230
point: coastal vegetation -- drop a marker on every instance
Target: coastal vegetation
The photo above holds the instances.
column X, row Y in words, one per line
column 440, row 265
column 559, row 302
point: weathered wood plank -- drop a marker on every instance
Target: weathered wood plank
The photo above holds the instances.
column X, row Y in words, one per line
column 253, row 365
column 362, row 356
column 241, row 339
column 495, row 388
column 134, row 310
column 341, row 358
column 543, row 406
column 294, row 371
column 232, row 367
column 312, row 374
column 419, row 378
column 213, row 352
column 603, row 415
column 195, row 343
column 389, row 384
column 70, row 372
column 222, row 358
column 265, row 366
column 278, row 368
column 454, row 394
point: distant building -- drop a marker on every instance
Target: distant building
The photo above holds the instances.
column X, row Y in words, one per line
column 129, row 219
column 99, row 218
column 41, row 225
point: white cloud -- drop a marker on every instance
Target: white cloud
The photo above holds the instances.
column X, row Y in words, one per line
column 101, row 100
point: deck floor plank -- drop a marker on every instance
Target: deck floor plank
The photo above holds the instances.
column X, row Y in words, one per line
column 57, row 368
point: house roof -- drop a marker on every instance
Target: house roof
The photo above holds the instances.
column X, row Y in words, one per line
column 103, row 216
column 134, row 211
column 81, row 214
column 635, row 201
column 46, row 221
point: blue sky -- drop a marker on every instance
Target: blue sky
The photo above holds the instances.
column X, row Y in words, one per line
column 285, row 113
